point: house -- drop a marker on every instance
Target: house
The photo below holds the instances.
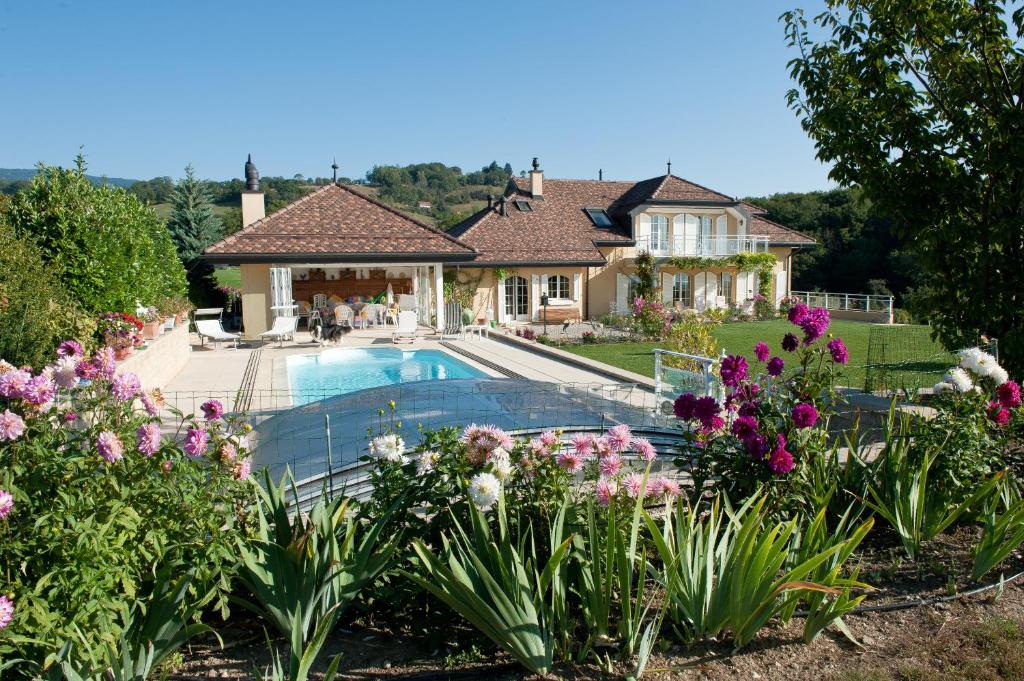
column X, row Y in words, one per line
column 573, row 243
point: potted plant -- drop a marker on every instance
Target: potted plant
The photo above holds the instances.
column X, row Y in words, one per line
column 182, row 307
column 167, row 309
column 152, row 323
column 120, row 331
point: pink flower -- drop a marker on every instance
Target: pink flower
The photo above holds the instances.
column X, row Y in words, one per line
column 798, row 313
column 212, row 410
column 733, row 370
column 998, row 414
column 781, row 461
column 86, row 370
column 610, row 465
column 196, row 441
column 836, row 347
column 761, row 351
column 13, row 383
column 619, row 437
column 64, row 374
column 584, row 445
column 148, row 404
column 166, row 466
column 6, row 503
column 243, row 468
column 815, row 324
column 6, row 611
column 70, row 348
column 602, row 446
column 148, row 436
column 70, row 416
column 11, row 425
column 109, row 446
column 105, row 361
column 665, row 487
column 605, row 491
column 634, row 485
column 228, row 452
column 684, row 406
column 644, row 449
column 790, row 342
column 744, row 426
column 548, row 438
column 570, row 461
column 805, row 415
column 538, row 449
column 39, row 390
column 1009, row 394
column 775, row 366
column 125, row 386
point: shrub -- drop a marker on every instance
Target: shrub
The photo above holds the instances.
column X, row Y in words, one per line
column 99, row 502
column 651, row 319
column 36, row 312
column 691, row 335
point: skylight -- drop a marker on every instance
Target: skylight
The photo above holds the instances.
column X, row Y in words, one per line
column 524, row 206
column 599, row 216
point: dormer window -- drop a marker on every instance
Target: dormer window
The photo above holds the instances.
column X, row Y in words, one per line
column 524, row 206
column 599, row 217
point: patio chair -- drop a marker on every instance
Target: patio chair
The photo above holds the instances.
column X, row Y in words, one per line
column 212, row 329
column 284, row 327
column 319, row 300
column 407, row 326
column 343, row 316
column 452, row 321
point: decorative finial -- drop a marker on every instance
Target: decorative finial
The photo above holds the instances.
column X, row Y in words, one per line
column 669, row 166
column 334, row 167
column 536, row 164
column 252, row 176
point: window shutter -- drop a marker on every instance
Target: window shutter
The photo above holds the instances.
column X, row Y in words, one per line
column 501, row 300
column 543, row 286
column 643, row 232
column 677, row 238
column 711, row 290
column 700, row 291
column 535, row 295
column 577, row 287
column 621, row 289
column 722, row 232
column 666, row 288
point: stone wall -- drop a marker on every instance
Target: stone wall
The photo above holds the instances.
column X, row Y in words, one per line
column 162, row 359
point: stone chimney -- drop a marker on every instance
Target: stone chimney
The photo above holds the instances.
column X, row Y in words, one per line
column 253, row 204
column 536, row 180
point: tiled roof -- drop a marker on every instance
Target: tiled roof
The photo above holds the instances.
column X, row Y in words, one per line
column 776, row 233
column 336, row 221
column 556, row 229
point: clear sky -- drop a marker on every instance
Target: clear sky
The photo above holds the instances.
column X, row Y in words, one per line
column 147, row 87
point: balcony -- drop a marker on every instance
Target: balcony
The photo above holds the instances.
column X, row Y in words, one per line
column 703, row 247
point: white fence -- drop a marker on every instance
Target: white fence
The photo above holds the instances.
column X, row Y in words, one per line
column 670, row 382
column 703, row 247
column 845, row 302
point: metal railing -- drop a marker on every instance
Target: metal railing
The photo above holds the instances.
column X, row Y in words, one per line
column 696, row 375
column 853, row 302
column 703, row 247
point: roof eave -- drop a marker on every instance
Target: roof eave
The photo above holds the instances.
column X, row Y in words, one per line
column 328, row 258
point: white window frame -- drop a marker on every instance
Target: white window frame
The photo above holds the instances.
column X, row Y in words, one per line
column 677, row 296
column 726, row 291
column 558, row 287
column 659, row 234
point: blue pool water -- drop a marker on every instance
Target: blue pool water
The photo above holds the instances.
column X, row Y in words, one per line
column 344, row 370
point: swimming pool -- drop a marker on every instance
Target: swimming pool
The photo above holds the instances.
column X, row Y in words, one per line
column 338, row 371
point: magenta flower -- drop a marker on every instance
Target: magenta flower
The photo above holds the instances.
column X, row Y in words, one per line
column 815, row 324
column 775, row 366
column 212, row 410
column 148, row 436
column 757, row 446
column 634, row 485
column 684, row 406
column 610, row 465
column 707, row 410
column 11, row 425
column 998, row 414
column 733, row 370
column 6, row 611
column 644, row 449
column 1009, row 394
column 605, row 491
column 761, row 351
column 166, row 466
column 570, row 461
column 125, row 386
column 70, row 416
column 840, row 355
column 805, row 415
column 798, row 313
column 14, row 382
column 109, row 446
column 781, row 460
column 86, row 370
column 790, row 342
column 6, row 503
column 70, row 348
column 196, row 441
column 583, row 445
column 619, row 437
column 744, row 426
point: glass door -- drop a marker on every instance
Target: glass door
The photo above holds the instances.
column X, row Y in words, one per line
column 517, row 299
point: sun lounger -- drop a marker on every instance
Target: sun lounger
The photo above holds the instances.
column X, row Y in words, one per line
column 212, row 329
column 407, row 326
column 284, row 327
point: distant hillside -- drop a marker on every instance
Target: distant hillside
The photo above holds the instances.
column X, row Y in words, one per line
column 28, row 173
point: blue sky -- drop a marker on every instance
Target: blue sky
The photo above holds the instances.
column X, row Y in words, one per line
column 148, row 87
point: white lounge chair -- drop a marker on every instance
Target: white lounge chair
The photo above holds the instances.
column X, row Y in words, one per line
column 212, row 329
column 284, row 327
column 407, row 326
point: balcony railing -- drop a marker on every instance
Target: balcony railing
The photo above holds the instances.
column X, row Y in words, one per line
column 847, row 302
column 703, row 247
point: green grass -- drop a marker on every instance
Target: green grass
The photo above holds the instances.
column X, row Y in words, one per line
column 740, row 338
column 229, row 276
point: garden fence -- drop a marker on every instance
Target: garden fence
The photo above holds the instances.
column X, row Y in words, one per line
column 677, row 372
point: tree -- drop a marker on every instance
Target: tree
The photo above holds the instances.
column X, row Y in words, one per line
column 921, row 103
column 194, row 226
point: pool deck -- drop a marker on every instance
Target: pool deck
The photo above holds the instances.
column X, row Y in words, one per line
column 255, row 376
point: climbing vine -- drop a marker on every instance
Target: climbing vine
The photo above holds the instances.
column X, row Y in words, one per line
column 645, row 284
column 460, row 287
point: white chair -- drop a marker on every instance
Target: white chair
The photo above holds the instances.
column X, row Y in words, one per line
column 284, row 327
column 319, row 300
column 212, row 329
column 407, row 326
column 343, row 316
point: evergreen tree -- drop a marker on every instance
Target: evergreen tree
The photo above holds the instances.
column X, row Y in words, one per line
column 194, row 226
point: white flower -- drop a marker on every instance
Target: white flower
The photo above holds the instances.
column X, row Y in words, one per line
column 64, row 373
column 959, row 379
column 484, row 490
column 942, row 387
column 981, row 363
column 501, row 463
column 389, row 447
column 999, row 375
column 425, row 463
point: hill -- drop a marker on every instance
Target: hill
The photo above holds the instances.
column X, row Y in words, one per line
column 26, row 174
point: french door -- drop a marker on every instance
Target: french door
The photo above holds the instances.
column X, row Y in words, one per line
column 517, row 299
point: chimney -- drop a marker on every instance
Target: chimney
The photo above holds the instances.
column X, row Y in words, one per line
column 536, row 180
column 253, row 206
column 490, row 201
column 501, row 206
column 600, row 173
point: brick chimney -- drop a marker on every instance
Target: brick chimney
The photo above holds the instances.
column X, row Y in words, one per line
column 253, row 203
column 536, row 180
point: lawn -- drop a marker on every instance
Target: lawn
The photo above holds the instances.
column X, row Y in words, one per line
column 740, row 338
column 229, row 276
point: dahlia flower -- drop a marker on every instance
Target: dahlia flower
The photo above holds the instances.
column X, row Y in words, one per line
column 484, row 490
column 548, row 438
column 805, row 415
column 634, row 485
column 125, row 386
column 389, row 447
column 148, row 405
column 619, row 437
column 228, row 453
column 790, row 342
column 733, row 370
column 978, row 361
column 798, row 313
column 425, row 462
column 684, row 406
column 70, row 348
column 815, row 324
column 501, row 463
column 196, row 442
column 6, row 611
column 781, row 460
column 109, row 446
column 86, row 370
column 64, row 374
column 998, row 413
column 243, row 468
column 1009, row 394
column 775, row 366
column 610, row 465
column 707, row 410
column 11, row 425
column 584, row 445
column 665, row 487
column 13, row 383
column 744, row 426
column 836, row 347
column 6, row 503
column 959, row 380
column 570, row 461
column 644, row 449
column 761, row 351
column 148, row 436
column 212, row 409
column 105, row 361
column 757, row 446
column 39, row 390
column 605, row 490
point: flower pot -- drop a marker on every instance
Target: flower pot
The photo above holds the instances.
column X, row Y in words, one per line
column 123, row 353
column 169, row 323
column 151, row 329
